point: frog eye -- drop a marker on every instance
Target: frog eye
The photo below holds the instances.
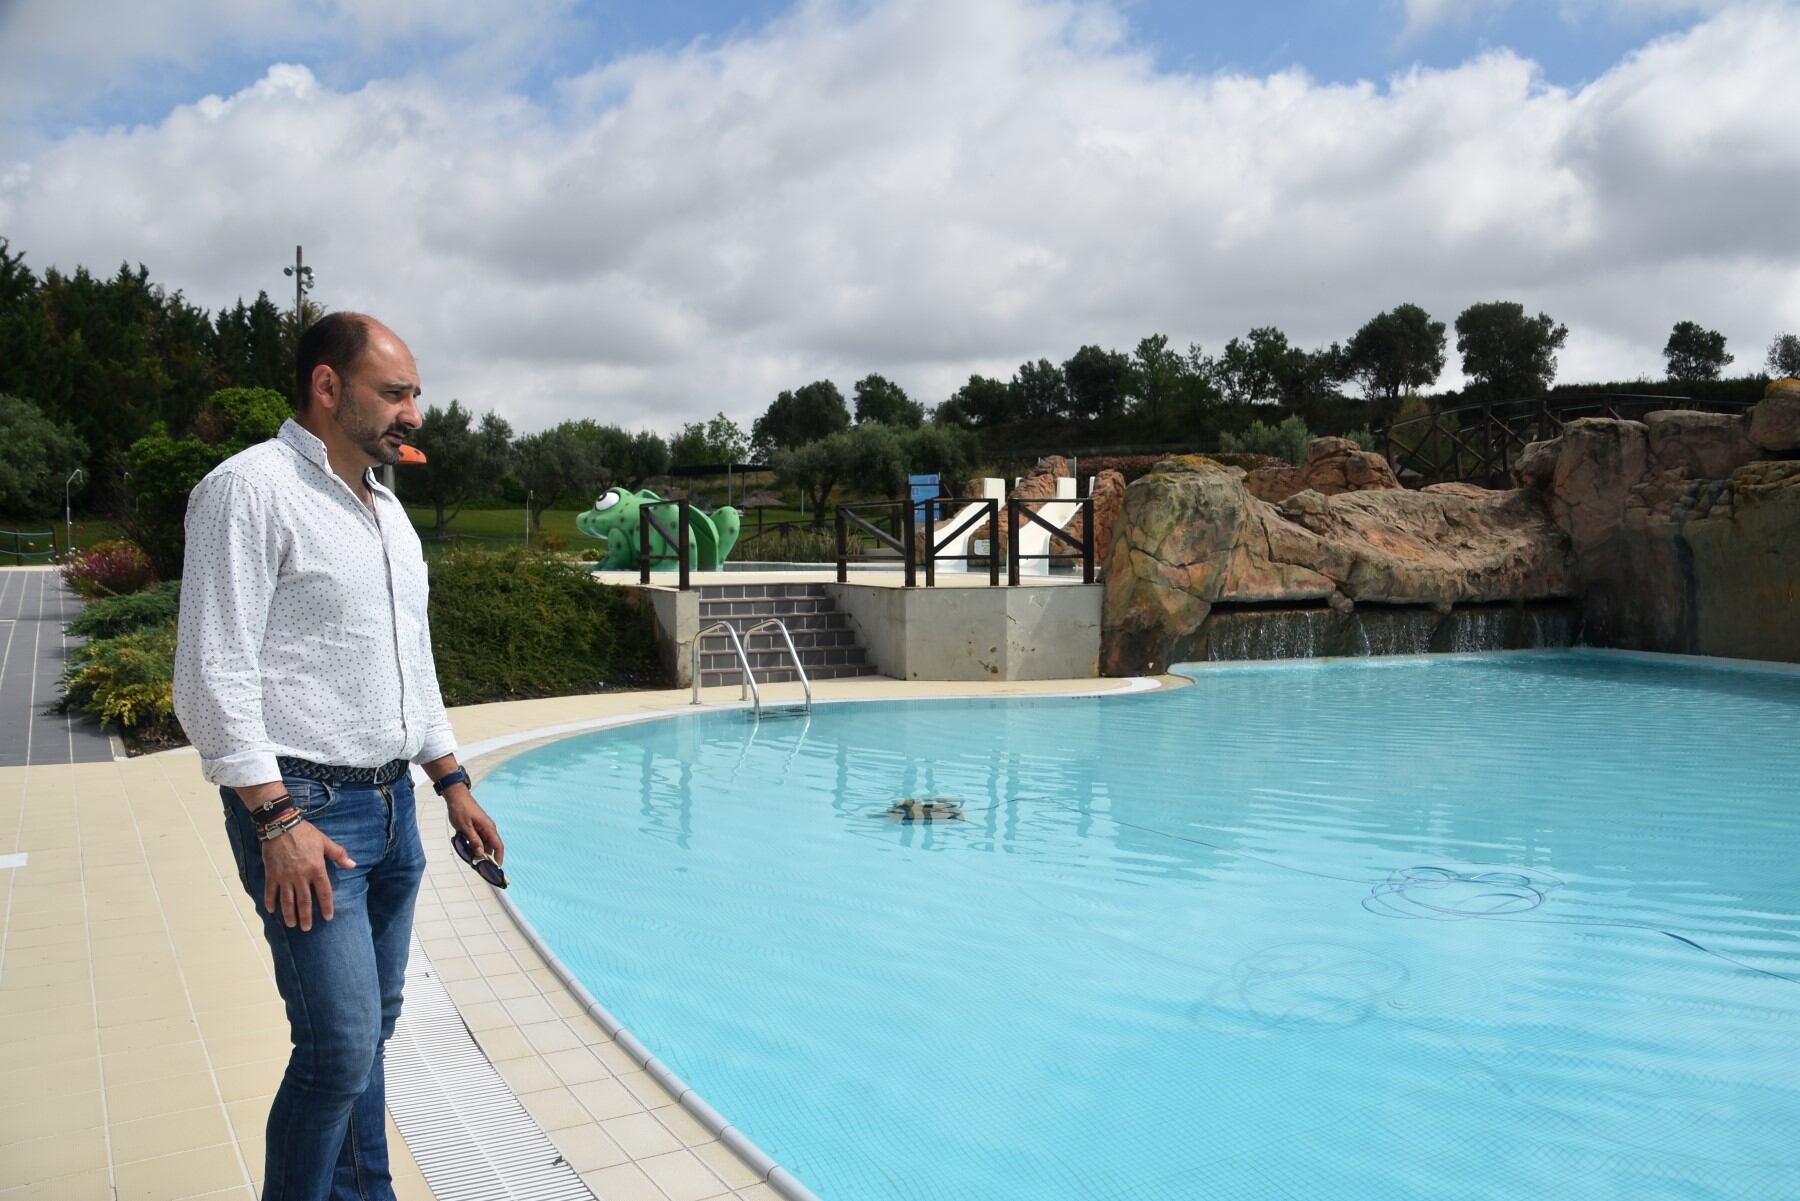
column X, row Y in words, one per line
column 606, row 502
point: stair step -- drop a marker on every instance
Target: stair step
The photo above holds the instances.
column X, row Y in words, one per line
column 716, row 679
column 843, row 656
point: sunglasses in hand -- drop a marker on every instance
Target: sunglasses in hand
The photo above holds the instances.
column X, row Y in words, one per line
column 484, row 864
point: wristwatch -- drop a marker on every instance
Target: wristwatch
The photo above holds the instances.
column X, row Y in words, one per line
column 449, row 780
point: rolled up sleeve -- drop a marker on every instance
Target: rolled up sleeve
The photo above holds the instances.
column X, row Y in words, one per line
column 232, row 562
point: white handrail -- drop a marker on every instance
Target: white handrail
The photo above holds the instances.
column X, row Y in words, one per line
column 749, row 681
column 781, row 628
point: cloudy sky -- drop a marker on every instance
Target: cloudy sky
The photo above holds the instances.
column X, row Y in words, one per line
column 648, row 213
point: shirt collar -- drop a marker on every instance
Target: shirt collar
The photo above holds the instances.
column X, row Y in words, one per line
column 311, row 447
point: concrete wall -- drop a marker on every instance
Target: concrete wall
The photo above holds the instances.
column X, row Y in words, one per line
column 1026, row 633
column 677, row 624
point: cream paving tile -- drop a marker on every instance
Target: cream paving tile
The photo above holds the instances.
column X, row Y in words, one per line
column 138, row 1036
column 683, row 1125
column 641, row 1135
column 167, row 1133
column 588, row 1148
column 38, row 1118
column 95, row 1183
column 577, row 1065
column 626, row 1182
column 159, row 1094
column 528, row 1074
column 532, row 1010
column 645, row 1088
column 32, row 1160
column 45, row 1023
column 181, row 1175
column 485, row 1015
column 511, row 985
column 474, row 991
column 726, row 1165
column 606, row 1099
column 258, row 1078
column 546, row 1037
column 47, row 1051
column 682, row 1176
column 758, row 1192
column 504, row 1042
column 555, row 1108
column 66, row 1078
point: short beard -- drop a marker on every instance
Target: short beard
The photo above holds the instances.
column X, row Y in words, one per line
column 365, row 434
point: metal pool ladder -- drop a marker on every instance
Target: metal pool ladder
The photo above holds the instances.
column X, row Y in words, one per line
column 748, row 686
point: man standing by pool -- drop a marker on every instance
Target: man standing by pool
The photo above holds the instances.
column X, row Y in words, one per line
column 304, row 677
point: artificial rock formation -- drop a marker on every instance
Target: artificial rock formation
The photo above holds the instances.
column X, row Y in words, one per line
column 1191, row 536
column 1685, row 531
column 1332, row 466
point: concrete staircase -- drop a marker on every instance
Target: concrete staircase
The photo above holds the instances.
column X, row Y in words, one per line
column 821, row 634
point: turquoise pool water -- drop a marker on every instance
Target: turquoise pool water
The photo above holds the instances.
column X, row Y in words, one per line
column 1491, row 928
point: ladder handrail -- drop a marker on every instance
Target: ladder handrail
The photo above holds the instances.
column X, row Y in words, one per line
column 748, row 684
column 781, row 628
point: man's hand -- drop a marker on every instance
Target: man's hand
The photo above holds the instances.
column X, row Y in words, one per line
column 473, row 823
column 294, row 868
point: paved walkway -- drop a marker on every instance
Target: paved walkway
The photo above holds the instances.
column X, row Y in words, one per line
column 141, row 1036
column 34, row 604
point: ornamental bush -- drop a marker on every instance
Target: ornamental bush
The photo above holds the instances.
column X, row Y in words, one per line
column 111, row 616
column 519, row 623
column 128, row 679
column 109, row 569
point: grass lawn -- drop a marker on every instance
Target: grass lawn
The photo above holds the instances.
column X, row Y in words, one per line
column 32, row 536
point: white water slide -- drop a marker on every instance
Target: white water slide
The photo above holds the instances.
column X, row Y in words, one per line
column 954, row 556
column 1034, row 539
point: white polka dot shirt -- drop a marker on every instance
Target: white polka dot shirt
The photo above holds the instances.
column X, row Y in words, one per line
column 303, row 629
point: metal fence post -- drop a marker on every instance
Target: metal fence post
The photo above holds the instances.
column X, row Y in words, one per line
column 993, row 515
column 1014, row 507
column 681, row 539
column 644, row 545
column 843, row 544
column 909, row 532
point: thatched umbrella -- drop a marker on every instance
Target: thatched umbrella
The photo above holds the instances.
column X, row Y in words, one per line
column 760, row 501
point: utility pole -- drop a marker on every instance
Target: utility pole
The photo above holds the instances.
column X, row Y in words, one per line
column 303, row 282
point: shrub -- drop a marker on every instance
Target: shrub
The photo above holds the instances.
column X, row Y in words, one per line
column 128, row 679
column 111, row 616
column 518, row 623
column 1285, row 441
column 789, row 545
column 109, row 569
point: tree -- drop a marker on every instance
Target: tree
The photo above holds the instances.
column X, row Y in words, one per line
column 1039, row 391
column 1395, row 352
column 709, row 443
column 1784, row 356
column 1099, row 382
column 942, row 450
column 869, row 457
column 463, row 461
column 1512, row 355
column 801, row 416
column 164, row 469
column 983, row 401
column 558, row 464
column 1159, row 378
column 1694, row 352
column 40, row 454
column 880, row 399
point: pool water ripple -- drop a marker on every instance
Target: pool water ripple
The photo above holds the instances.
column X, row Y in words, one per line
column 1477, row 928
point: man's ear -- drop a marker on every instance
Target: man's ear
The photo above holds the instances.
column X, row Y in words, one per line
column 325, row 385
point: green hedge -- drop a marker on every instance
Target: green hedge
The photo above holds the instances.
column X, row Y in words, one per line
column 114, row 615
column 128, row 679
column 520, row 623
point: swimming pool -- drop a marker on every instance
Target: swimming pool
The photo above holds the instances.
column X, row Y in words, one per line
column 1491, row 927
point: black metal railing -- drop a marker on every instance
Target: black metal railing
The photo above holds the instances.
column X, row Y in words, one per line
column 680, row 539
column 1016, row 509
column 1480, row 442
column 898, row 537
column 897, row 529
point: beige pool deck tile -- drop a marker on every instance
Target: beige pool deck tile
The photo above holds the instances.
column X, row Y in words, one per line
column 138, row 1014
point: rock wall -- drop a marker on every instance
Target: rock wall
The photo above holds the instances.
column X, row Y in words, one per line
column 1191, row 536
column 1685, row 527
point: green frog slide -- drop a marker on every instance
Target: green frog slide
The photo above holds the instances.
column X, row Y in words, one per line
column 614, row 519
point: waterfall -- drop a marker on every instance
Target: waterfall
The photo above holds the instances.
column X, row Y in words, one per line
column 1235, row 635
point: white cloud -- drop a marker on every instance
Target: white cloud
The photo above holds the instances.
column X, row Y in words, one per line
column 926, row 188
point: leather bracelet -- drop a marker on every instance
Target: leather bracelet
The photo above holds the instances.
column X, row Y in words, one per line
column 275, row 829
column 271, row 810
column 449, row 780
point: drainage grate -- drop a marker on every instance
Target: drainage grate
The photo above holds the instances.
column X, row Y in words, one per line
column 472, row 1139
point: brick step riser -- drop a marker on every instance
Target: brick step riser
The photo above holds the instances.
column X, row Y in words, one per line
column 719, row 679
column 804, row 640
column 737, row 592
column 795, row 622
column 849, row 656
column 736, row 610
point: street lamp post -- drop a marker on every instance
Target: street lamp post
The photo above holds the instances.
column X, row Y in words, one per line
column 303, row 282
column 69, row 512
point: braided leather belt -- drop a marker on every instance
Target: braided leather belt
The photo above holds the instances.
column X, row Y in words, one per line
column 306, row 769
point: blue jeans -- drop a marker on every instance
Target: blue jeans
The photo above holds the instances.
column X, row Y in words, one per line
column 341, row 981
